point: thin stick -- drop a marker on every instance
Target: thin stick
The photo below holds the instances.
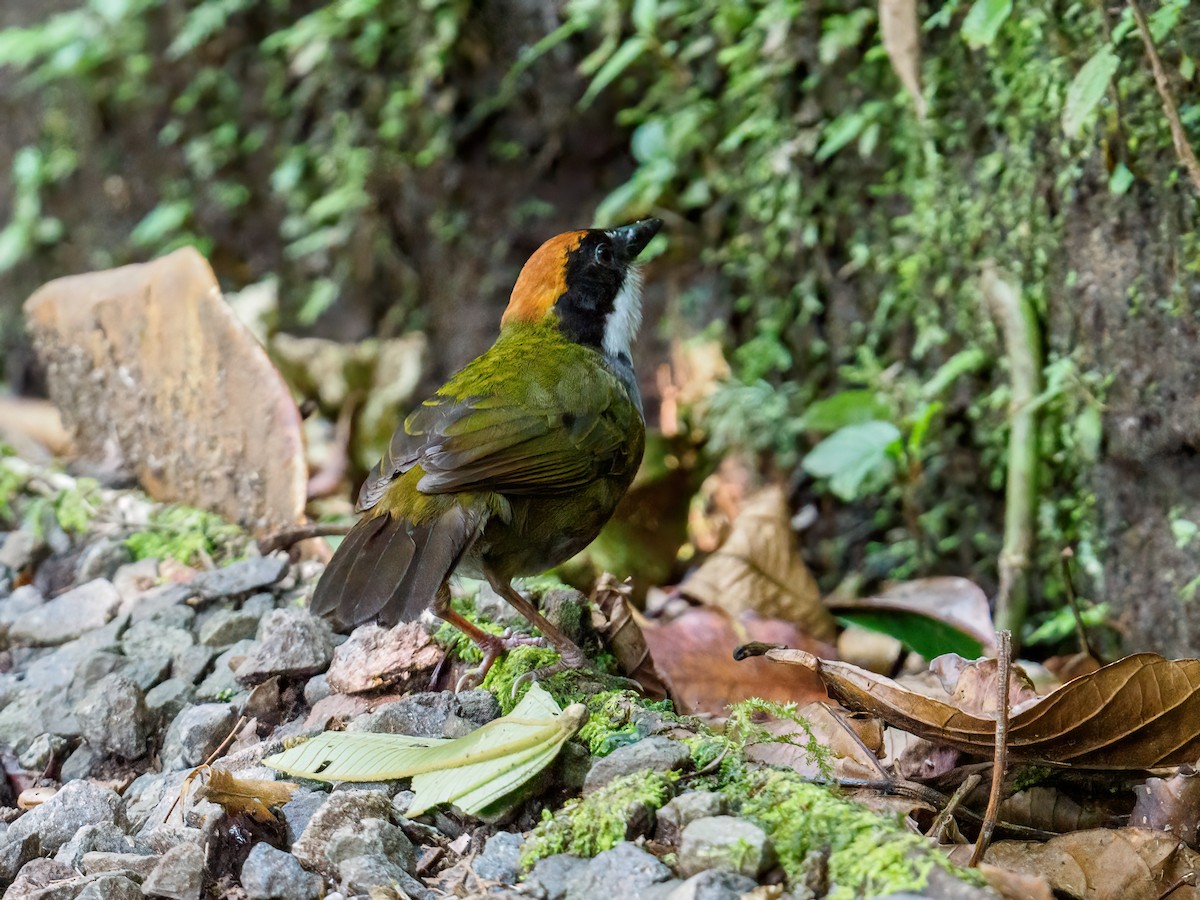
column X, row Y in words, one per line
column 1000, row 762
column 956, row 799
column 1183, row 150
column 281, row 540
column 1085, row 645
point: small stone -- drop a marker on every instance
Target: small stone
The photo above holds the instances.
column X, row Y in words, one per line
column 148, row 639
column 114, row 718
column 221, row 681
column 434, row 714
column 38, row 878
column 658, row 754
column 298, row 811
column 162, row 604
column 726, row 843
column 713, row 885
column 92, row 668
column 17, row 549
column 23, row 600
column 135, row 578
column 102, row 559
column 291, row 643
column 195, row 734
column 624, row 871
column 68, row 615
column 371, row 837
column 55, row 822
column 189, row 664
column 179, row 875
column 102, row 837
column 111, row 887
column 343, row 808
column 375, row 657
column 85, row 760
column 500, row 860
column 168, row 698
column 136, row 864
column 45, row 747
column 551, row 876
column 270, row 874
column 15, row 854
column 258, row 605
column 227, row 626
column 240, row 577
column 316, row 689
column 681, row 811
column 365, row 874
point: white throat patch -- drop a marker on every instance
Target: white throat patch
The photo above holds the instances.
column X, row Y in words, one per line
column 622, row 325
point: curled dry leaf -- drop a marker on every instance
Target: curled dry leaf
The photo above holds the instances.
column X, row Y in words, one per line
column 1139, row 712
column 1050, row 809
column 901, row 33
column 1170, row 805
column 971, row 684
column 852, row 742
column 252, row 796
column 694, row 653
column 759, row 569
column 1104, row 864
column 616, row 619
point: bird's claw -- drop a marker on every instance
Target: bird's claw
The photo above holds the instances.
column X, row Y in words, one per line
column 495, row 647
column 570, row 660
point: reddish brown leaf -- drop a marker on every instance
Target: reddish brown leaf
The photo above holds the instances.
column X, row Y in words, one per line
column 1140, row 712
column 694, row 653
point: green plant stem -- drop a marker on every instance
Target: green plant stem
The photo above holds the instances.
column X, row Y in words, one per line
column 1022, row 343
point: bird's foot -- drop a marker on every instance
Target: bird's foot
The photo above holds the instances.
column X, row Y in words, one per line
column 571, row 657
column 494, row 646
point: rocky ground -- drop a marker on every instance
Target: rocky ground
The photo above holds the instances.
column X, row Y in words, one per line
column 121, row 675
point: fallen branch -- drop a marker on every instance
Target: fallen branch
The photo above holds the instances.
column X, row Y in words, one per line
column 1183, row 149
column 282, row 540
column 1000, row 760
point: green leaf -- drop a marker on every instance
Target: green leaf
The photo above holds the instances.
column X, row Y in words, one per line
column 844, row 408
column 622, row 59
column 1121, row 179
column 961, row 363
column 472, row 772
column 855, row 456
column 161, row 222
column 1087, row 90
column 644, row 15
column 920, row 634
column 984, row 20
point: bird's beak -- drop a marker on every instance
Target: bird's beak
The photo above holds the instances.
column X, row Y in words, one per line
column 635, row 237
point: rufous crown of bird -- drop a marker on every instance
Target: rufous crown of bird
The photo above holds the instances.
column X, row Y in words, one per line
column 515, row 464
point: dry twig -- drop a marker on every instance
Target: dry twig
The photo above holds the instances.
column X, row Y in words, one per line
column 1000, row 762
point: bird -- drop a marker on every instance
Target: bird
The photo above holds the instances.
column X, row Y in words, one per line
column 516, row 463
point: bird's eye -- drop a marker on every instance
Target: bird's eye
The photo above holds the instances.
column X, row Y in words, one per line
column 604, row 254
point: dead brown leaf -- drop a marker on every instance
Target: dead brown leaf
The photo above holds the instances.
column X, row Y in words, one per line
column 1103, row 864
column 1050, row 809
column 758, row 569
column 616, row 619
column 694, row 653
column 853, row 742
column 1171, row 805
column 1014, row 885
column 957, row 602
column 972, row 684
column 901, row 33
column 1139, row 712
column 253, row 796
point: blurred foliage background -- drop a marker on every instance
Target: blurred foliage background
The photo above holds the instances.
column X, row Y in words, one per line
column 835, row 178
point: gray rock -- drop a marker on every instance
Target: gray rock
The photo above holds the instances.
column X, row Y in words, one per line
column 55, row 822
column 189, row 664
column 101, row 559
column 624, row 871
column 148, row 637
column 343, row 808
column 135, row 579
column 102, row 837
column 228, row 626
column 43, row 879
column 33, row 712
column 258, row 605
column 550, row 876
column 270, row 874
column 179, row 875
column 23, row 600
column 68, row 615
column 681, row 811
column 133, row 864
column 240, row 577
column 167, row 699
column 43, row 749
column 17, row 549
column 298, row 812
column 195, row 734
column 713, row 885
column 726, row 843
column 82, row 762
column 291, row 642
column 360, row 874
column 316, row 689
column 91, row 668
column 500, row 860
column 15, row 854
column 111, row 887
column 221, row 680
column 371, row 837
column 114, row 717
column 659, row 754
column 432, row 714
column 162, row 604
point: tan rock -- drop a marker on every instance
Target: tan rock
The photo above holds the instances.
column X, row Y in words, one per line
column 152, row 371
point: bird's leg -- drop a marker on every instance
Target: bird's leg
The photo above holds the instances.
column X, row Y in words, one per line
column 493, row 646
column 572, row 656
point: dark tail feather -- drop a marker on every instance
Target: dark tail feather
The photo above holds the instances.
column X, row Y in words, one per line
column 388, row 569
